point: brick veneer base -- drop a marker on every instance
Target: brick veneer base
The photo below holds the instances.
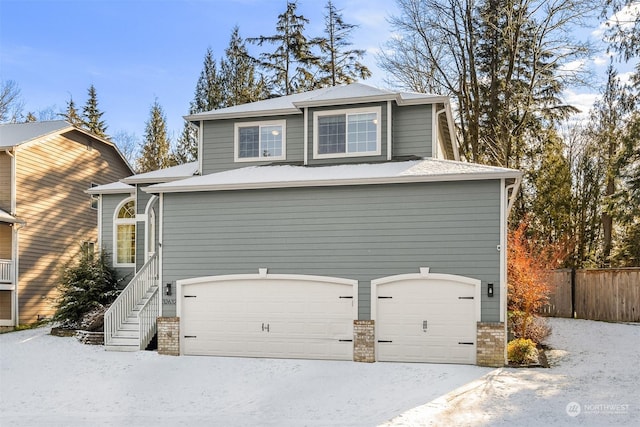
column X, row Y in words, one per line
column 364, row 341
column 169, row 336
column 491, row 344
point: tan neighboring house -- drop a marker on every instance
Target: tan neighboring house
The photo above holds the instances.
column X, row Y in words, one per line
column 46, row 217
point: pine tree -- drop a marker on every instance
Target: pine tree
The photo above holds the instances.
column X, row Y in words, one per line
column 156, row 145
column 71, row 114
column 92, row 116
column 209, row 93
column 292, row 65
column 238, row 74
column 338, row 63
column 186, row 147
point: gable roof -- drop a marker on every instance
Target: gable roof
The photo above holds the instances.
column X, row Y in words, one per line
column 14, row 135
column 164, row 175
column 287, row 176
column 112, row 188
column 354, row 93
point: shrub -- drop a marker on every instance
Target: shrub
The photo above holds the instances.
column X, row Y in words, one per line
column 522, row 351
column 525, row 326
column 86, row 284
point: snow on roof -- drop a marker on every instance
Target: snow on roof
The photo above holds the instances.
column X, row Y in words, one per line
column 112, row 188
column 335, row 95
column 164, row 175
column 281, row 176
column 14, row 134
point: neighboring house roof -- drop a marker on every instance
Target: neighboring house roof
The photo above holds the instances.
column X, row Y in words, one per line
column 112, row 188
column 7, row 217
column 164, row 175
column 354, row 93
column 18, row 134
column 14, row 134
column 281, row 176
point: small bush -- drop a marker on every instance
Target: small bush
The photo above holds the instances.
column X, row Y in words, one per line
column 522, row 351
column 528, row 326
column 88, row 284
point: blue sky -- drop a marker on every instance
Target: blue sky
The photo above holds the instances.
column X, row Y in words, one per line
column 137, row 51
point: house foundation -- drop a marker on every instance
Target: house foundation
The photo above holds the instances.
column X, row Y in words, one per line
column 169, row 336
column 491, row 344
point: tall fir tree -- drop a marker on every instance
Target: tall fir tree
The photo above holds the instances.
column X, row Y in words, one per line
column 92, row 116
column 240, row 80
column 292, row 65
column 71, row 113
column 156, row 146
column 339, row 63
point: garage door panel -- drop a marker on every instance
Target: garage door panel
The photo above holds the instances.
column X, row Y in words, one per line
column 255, row 317
column 426, row 319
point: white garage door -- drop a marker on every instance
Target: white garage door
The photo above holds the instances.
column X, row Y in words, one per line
column 426, row 318
column 268, row 315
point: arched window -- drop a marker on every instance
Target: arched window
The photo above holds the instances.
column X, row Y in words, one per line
column 125, row 234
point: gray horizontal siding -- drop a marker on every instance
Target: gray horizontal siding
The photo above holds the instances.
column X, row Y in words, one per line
column 412, row 131
column 218, row 140
column 354, row 232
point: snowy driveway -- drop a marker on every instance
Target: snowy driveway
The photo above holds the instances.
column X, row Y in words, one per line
column 52, row 381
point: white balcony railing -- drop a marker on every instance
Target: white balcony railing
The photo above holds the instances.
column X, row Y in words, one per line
column 148, row 319
column 6, row 271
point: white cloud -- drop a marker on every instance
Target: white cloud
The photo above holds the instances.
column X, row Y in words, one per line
column 581, row 100
column 624, row 18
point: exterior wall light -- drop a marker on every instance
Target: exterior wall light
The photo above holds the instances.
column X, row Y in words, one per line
column 167, row 289
column 490, row 290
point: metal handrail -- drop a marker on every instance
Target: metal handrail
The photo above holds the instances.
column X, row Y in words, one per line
column 129, row 298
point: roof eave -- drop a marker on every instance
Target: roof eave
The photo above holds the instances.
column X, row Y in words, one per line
column 244, row 114
column 422, row 101
column 334, row 183
column 343, row 101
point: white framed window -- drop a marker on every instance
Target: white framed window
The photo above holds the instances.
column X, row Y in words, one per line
column 258, row 141
column 124, row 234
column 347, row 133
column 95, row 199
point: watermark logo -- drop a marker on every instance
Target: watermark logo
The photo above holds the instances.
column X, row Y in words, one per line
column 573, row 409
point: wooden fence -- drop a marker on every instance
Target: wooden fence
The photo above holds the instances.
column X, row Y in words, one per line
column 604, row 294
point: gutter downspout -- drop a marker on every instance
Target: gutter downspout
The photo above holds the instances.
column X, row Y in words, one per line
column 15, row 244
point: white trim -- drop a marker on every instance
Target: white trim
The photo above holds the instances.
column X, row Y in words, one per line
column 305, row 138
column 149, row 225
column 389, row 131
column 259, row 124
column 452, row 131
column 503, row 250
column 99, row 243
column 264, row 275
column 160, row 254
column 128, row 221
column 200, row 145
column 347, row 112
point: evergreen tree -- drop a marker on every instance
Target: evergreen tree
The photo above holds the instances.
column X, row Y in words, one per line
column 240, row 81
column 338, row 62
column 292, row 65
column 186, row 147
column 71, row 114
column 30, row 118
column 209, row 93
column 156, row 145
column 92, row 116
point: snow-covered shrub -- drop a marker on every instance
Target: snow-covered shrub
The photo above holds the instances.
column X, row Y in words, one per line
column 522, row 351
column 525, row 326
column 86, row 284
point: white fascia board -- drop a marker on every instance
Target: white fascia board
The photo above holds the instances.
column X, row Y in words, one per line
column 112, row 191
column 243, row 114
column 334, row 182
column 435, row 99
column 343, row 101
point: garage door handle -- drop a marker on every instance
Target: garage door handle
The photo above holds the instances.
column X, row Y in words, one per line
column 345, row 340
column 465, row 343
column 346, row 297
column 465, row 297
column 265, row 328
column 190, row 296
column 384, row 341
column 190, row 336
column 385, row 297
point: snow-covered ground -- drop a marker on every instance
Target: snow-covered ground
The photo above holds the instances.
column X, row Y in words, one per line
column 594, row 381
column 52, row 381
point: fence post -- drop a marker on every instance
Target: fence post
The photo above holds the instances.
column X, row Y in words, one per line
column 573, row 293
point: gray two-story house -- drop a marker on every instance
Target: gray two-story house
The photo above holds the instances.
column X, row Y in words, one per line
column 333, row 224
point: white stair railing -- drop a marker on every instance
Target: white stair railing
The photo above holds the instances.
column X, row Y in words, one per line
column 148, row 318
column 130, row 296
